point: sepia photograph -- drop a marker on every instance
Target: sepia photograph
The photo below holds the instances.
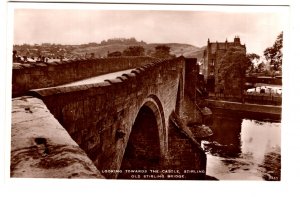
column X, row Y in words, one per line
column 147, row 92
column 165, row 98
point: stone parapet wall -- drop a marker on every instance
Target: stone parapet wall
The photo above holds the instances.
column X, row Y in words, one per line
column 41, row 75
column 41, row 147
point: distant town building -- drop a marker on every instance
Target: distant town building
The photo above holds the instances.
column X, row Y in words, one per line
column 212, row 56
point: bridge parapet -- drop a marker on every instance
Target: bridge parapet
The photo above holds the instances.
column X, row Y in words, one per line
column 42, row 75
column 41, row 147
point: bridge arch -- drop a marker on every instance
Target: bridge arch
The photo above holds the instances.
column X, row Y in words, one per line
column 154, row 103
column 146, row 146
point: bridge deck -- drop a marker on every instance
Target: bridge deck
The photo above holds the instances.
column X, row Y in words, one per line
column 97, row 79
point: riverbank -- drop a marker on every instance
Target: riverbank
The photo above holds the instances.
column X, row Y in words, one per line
column 269, row 110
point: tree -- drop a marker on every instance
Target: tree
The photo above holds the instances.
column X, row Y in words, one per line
column 274, row 54
column 162, row 51
column 261, row 67
column 254, row 59
column 114, row 54
column 134, row 51
column 230, row 76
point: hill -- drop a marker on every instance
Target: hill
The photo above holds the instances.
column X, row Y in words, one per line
column 102, row 49
column 177, row 49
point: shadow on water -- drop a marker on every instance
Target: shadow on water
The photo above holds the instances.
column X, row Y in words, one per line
column 244, row 147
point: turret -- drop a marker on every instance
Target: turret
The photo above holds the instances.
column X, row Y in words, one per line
column 208, row 46
column 237, row 40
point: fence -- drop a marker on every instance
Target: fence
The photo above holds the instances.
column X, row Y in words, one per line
column 263, row 98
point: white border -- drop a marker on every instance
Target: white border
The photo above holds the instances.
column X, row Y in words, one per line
column 94, row 6
column 290, row 139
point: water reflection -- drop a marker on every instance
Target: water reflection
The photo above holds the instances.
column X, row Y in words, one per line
column 243, row 149
column 226, row 140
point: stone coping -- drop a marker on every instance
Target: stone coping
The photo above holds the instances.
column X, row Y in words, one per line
column 41, row 147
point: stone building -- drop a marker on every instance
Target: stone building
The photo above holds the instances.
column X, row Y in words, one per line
column 212, row 57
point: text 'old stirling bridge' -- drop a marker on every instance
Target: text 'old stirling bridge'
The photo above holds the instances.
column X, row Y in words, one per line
column 122, row 125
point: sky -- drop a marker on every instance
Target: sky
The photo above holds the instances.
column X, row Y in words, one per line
column 258, row 30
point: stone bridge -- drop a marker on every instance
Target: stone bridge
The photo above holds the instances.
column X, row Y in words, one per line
column 133, row 126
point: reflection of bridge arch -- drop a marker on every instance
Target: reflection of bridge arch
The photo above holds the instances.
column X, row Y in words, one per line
column 147, row 141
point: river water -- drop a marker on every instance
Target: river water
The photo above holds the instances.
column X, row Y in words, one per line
column 243, row 148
